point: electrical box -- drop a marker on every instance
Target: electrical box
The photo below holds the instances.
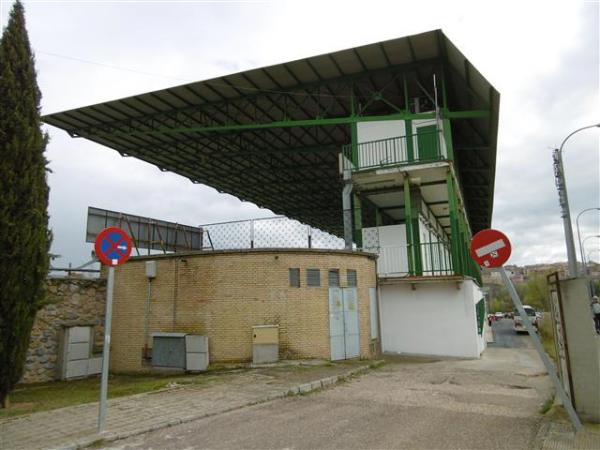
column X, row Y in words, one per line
column 168, row 350
column 151, row 269
column 180, row 351
column 265, row 344
column 75, row 359
column 196, row 353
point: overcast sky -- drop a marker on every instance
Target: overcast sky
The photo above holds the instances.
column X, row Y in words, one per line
column 543, row 58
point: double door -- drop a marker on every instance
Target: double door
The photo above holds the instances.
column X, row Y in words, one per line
column 343, row 323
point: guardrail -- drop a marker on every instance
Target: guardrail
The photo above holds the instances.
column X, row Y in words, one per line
column 429, row 259
column 421, row 147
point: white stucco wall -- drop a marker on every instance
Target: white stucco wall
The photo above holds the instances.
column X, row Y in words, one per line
column 376, row 130
column 389, row 242
column 434, row 319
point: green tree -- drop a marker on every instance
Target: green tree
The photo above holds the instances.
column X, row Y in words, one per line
column 24, row 235
column 536, row 292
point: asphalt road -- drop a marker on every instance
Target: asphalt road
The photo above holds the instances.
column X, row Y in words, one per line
column 506, row 337
column 493, row 402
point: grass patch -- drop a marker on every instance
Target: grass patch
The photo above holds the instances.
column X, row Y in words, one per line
column 546, row 330
column 547, row 405
column 26, row 399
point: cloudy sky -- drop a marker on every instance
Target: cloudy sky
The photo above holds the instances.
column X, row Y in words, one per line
column 543, row 58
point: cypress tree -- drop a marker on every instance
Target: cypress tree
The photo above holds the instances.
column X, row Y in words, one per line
column 24, row 235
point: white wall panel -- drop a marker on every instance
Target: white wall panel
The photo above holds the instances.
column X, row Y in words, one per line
column 434, row 319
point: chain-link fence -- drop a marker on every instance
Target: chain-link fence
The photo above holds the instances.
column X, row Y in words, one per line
column 271, row 232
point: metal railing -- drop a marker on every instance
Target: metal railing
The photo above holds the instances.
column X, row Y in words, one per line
column 426, row 259
column 394, row 151
column 429, row 259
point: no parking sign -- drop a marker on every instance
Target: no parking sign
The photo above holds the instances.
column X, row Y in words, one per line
column 113, row 246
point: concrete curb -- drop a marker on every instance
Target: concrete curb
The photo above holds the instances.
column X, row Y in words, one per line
column 295, row 390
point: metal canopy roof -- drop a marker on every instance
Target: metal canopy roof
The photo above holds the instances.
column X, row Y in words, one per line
column 272, row 135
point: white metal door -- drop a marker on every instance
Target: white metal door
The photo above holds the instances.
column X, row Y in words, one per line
column 351, row 331
column 336, row 324
column 343, row 323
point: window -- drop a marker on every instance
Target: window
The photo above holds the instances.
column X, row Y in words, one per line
column 334, row 278
column 351, row 278
column 294, row 277
column 313, row 277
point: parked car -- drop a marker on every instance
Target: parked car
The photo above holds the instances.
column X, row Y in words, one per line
column 499, row 315
column 518, row 322
column 508, row 315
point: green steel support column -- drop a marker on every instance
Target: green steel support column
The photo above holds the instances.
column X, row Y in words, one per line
column 378, row 218
column 406, row 105
column 410, row 152
column 354, row 129
column 448, row 139
column 357, row 221
column 444, row 95
column 408, row 221
column 416, row 236
column 454, row 227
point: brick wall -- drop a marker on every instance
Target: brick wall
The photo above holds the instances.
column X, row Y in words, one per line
column 222, row 295
column 72, row 302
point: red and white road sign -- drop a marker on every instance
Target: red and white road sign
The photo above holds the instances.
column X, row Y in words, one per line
column 490, row 248
column 113, row 246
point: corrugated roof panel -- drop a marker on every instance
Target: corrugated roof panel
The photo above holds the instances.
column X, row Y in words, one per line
column 232, row 100
column 347, row 61
column 425, row 45
column 302, row 71
column 398, row 51
column 325, row 67
column 282, row 75
column 372, row 57
column 260, row 79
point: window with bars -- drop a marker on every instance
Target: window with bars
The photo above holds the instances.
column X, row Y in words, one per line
column 351, row 278
column 334, row 278
column 294, row 277
column 313, row 277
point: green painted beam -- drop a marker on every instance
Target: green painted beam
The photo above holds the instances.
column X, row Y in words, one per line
column 321, row 121
column 357, row 223
column 475, row 114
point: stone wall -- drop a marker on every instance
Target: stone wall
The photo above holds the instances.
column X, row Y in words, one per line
column 72, row 302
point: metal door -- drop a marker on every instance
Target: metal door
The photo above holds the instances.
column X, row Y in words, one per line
column 343, row 323
column 427, row 138
column 351, row 331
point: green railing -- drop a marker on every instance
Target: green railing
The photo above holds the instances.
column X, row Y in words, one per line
column 480, row 311
column 419, row 147
column 429, row 259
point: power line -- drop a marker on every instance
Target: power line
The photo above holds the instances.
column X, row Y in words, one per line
column 210, row 83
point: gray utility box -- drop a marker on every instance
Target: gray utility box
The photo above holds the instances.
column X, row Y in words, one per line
column 180, row 351
column 75, row 359
column 265, row 344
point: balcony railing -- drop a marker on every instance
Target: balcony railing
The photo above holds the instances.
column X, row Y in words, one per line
column 420, row 147
column 430, row 259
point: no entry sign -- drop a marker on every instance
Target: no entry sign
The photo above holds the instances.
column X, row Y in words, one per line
column 113, row 246
column 490, row 248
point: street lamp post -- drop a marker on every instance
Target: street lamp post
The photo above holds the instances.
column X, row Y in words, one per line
column 583, row 259
column 563, row 200
column 579, row 238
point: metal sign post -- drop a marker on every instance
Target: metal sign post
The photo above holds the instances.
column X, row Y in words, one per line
column 106, row 350
column 550, row 368
column 113, row 247
column 491, row 249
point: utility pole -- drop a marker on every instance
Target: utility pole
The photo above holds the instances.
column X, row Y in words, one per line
column 563, row 200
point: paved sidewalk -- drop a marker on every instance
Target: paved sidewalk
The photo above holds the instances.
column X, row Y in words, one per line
column 75, row 427
column 556, row 433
